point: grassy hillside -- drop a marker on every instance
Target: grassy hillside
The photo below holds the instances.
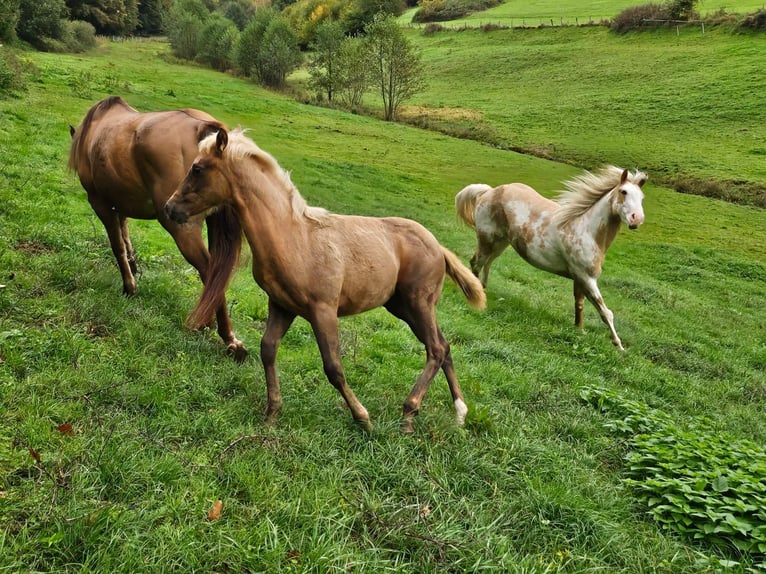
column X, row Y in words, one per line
column 162, row 424
column 523, row 13
column 687, row 108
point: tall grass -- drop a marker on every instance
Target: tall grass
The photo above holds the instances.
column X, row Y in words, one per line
column 120, row 429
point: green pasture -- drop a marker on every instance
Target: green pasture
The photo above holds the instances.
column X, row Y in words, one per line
column 687, row 108
column 120, row 429
column 521, row 13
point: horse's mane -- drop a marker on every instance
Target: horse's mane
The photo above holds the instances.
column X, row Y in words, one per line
column 585, row 190
column 77, row 135
column 241, row 147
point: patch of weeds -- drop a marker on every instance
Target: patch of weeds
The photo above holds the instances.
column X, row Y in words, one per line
column 708, row 486
column 80, row 84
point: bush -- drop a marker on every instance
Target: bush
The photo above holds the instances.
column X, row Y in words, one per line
column 217, row 40
column 754, row 21
column 698, row 482
column 638, row 17
column 41, row 21
column 186, row 21
column 79, row 36
column 9, row 17
column 279, row 53
column 11, row 74
column 445, row 10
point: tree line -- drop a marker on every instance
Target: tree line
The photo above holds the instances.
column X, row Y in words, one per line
column 352, row 47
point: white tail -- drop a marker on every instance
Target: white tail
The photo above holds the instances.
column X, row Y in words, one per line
column 465, row 201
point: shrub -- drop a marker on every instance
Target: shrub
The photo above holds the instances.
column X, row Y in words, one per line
column 79, row 36
column 9, row 17
column 11, row 73
column 41, row 21
column 445, row 10
column 248, row 46
column 217, row 40
column 186, row 21
column 432, row 28
column 279, row 53
column 695, row 481
column 638, row 17
column 754, row 21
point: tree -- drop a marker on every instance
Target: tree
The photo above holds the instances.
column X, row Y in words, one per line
column 152, row 15
column 353, row 71
column 396, row 67
column 9, row 17
column 324, row 69
column 279, row 54
column 41, row 20
column 117, row 17
column 217, row 41
column 359, row 13
column 248, row 48
column 238, row 11
column 185, row 23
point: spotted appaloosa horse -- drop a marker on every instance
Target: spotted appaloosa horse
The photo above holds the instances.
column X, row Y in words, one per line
column 568, row 236
column 130, row 163
column 319, row 265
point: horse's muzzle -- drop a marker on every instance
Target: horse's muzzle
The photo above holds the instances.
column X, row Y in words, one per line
column 176, row 214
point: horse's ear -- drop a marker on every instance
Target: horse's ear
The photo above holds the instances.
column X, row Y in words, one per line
column 624, row 176
column 221, row 140
column 642, row 180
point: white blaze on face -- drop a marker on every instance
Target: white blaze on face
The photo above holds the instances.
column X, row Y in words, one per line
column 631, row 209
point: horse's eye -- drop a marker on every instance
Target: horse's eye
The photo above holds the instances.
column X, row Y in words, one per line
column 624, row 191
column 196, row 169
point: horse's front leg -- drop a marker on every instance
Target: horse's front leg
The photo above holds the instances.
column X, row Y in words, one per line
column 277, row 324
column 324, row 322
column 590, row 288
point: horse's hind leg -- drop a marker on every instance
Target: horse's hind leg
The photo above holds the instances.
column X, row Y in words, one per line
column 128, row 244
column 324, row 322
column 116, row 229
column 420, row 315
column 487, row 250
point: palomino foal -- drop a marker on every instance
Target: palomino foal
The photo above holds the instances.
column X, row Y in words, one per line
column 568, row 236
column 319, row 266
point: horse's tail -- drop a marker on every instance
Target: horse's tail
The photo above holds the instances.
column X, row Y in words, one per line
column 465, row 201
column 463, row 278
column 225, row 243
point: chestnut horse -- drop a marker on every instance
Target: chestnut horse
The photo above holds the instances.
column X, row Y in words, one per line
column 319, row 265
column 568, row 236
column 130, row 163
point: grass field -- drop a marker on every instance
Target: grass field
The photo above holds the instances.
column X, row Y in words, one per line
column 686, row 108
column 571, row 12
column 120, row 429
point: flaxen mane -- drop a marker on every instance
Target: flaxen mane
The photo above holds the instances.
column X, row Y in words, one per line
column 583, row 191
column 241, row 147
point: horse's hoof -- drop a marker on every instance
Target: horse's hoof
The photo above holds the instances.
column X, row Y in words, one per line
column 365, row 425
column 238, row 351
column 405, row 427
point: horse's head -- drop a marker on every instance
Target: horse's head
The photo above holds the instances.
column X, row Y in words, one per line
column 207, row 184
column 627, row 198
